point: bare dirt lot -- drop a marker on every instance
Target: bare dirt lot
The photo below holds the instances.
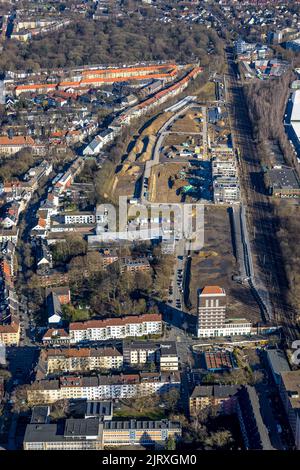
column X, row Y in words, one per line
column 165, row 181
column 215, row 264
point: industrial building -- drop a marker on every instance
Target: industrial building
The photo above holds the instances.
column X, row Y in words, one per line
column 282, row 182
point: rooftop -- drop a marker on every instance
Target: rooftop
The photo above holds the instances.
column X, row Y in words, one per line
column 213, row 290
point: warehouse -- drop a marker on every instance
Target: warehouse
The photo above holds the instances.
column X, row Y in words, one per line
column 283, row 182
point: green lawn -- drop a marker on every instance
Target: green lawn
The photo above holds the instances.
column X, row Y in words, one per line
column 151, row 413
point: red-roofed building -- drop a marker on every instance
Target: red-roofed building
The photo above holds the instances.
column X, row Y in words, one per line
column 110, row 328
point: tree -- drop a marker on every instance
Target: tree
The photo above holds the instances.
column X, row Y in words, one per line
column 170, row 443
column 219, row 439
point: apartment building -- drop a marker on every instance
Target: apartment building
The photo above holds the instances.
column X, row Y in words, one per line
column 168, row 357
column 289, row 388
column 141, row 352
column 56, row 337
column 10, row 333
column 212, row 315
column 224, row 167
column 102, row 387
column 93, row 434
column 211, row 307
column 83, row 359
column 116, row 328
column 206, row 396
column 129, row 264
column 226, row 190
column 235, row 399
column 78, row 218
column 12, row 145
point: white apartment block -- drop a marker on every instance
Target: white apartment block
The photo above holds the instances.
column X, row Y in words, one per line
column 102, row 387
column 224, row 167
column 116, row 328
column 79, row 218
column 239, row 327
column 212, row 315
column 226, row 190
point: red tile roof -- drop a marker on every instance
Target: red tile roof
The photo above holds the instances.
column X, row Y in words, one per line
column 148, row 317
column 211, row 290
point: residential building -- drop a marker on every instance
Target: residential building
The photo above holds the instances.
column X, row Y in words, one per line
column 130, row 264
column 12, row 145
column 224, row 397
column 144, row 352
column 78, row 217
column 254, row 431
column 56, row 337
column 226, row 190
column 116, row 328
column 168, row 359
column 83, row 359
column 102, row 387
column 10, row 333
column 212, row 315
column 234, row 399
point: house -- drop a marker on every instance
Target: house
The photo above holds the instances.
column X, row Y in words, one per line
column 99, row 142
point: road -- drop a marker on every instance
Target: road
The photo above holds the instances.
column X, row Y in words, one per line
column 261, row 220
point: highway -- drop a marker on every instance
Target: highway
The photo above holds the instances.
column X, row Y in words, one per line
column 261, row 220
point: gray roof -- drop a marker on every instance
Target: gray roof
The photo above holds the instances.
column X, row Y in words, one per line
column 133, row 424
column 42, row 433
column 250, row 411
column 283, row 178
column 168, row 348
column 40, row 414
column 278, row 361
column 81, row 427
column 98, row 408
column 53, row 305
column 218, row 391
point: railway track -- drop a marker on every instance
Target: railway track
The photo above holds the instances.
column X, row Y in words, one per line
column 262, row 223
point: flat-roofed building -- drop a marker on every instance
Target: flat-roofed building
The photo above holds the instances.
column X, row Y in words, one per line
column 211, row 307
column 219, row 360
column 145, row 433
column 168, row 357
column 79, row 217
column 226, row 190
column 283, row 182
column 290, row 394
column 278, row 363
column 93, row 434
column 212, row 320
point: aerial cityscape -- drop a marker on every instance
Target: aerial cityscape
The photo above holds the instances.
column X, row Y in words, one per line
column 149, row 211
